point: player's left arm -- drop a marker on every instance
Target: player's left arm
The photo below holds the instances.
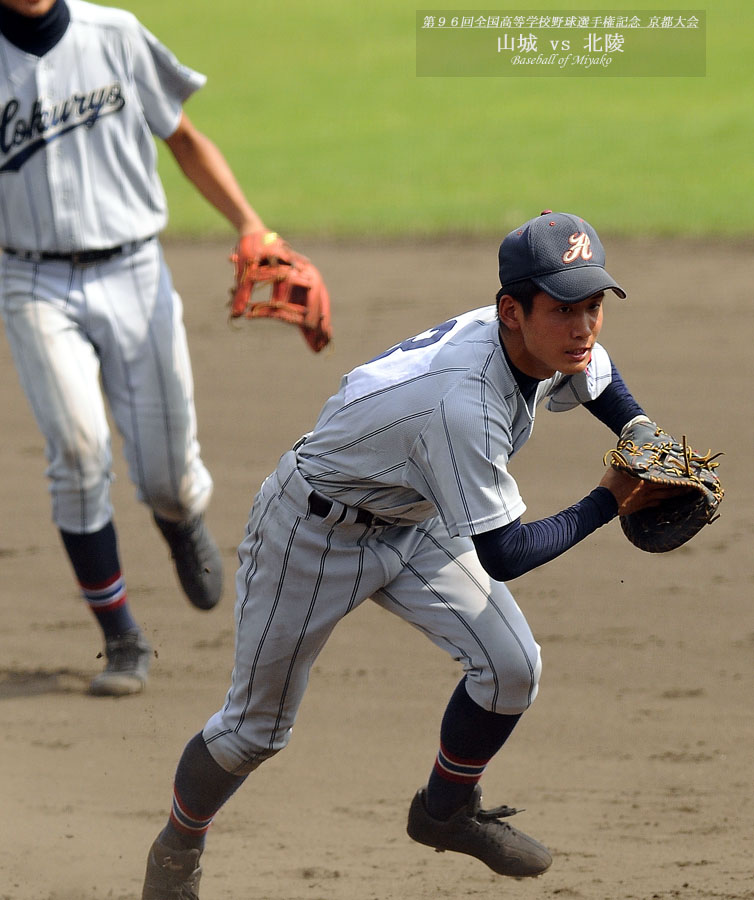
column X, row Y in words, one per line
column 204, row 165
column 514, row 549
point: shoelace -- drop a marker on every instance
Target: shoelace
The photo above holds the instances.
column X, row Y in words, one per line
column 498, row 812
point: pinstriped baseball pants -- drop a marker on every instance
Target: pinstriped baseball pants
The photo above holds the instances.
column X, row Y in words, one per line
column 300, row 574
column 120, row 322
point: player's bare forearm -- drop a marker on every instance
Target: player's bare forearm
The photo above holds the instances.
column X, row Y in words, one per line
column 205, row 166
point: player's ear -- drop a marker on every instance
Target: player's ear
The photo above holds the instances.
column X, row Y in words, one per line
column 510, row 312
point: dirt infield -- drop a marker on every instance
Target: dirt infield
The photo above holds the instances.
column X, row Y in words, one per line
column 635, row 764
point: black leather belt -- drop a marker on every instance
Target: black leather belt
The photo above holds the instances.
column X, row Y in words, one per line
column 77, row 257
column 321, row 507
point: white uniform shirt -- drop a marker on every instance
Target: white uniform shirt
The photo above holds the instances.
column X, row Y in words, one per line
column 77, row 157
column 429, row 427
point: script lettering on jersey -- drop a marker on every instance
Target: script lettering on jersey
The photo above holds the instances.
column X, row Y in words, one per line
column 581, row 246
column 28, row 132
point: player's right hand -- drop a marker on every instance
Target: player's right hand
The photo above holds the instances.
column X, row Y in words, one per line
column 632, row 494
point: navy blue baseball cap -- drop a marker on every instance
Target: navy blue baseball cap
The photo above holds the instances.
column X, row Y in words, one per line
column 561, row 254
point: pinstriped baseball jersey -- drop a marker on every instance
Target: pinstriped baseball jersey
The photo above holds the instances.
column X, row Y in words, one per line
column 77, row 158
column 430, row 425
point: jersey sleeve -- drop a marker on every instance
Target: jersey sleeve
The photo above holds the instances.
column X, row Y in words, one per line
column 460, row 462
column 573, row 390
column 162, row 82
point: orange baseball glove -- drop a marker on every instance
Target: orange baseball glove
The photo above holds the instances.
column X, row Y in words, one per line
column 297, row 292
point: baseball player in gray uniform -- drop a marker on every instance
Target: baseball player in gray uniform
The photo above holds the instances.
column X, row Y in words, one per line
column 402, row 493
column 86, row 296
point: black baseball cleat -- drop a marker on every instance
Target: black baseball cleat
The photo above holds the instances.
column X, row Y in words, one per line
column 480, row 833
column 197, row 560
column 171, row 874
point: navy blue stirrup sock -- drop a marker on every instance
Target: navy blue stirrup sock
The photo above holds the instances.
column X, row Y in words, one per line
column 200, row 788
column 96, row 563
column 469, row 737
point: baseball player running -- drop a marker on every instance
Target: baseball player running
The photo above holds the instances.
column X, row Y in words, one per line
column 86, row 296
column 402, row 493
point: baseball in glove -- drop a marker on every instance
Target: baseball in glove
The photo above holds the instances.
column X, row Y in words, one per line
column 645, row 451
column 297, row 293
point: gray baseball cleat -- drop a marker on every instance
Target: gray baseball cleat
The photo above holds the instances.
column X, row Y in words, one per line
column 171, row 874
column 197, row 560
column 128, row 657
column 480, row 833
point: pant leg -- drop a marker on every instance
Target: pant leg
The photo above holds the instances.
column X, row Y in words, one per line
column 298, row 576
column 58, row 368
column 136, row 321
column 444, row 591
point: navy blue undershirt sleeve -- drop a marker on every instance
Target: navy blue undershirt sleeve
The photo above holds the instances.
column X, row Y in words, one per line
column 516, row 548
column 615, row 405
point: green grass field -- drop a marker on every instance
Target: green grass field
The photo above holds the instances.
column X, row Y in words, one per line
column 318, row 108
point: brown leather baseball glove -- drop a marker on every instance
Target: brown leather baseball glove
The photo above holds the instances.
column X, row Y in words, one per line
column 297, row 292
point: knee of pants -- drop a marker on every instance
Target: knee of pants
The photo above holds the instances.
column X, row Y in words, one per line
column 243, row 767
column 78, row 461
column 170, row 508
column 186, row 501
column 238, row 751
column 80, row 489
column 510, row 684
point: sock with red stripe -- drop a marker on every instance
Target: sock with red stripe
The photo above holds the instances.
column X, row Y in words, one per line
column 96, row 563
column 469, row 737
column 200, row 788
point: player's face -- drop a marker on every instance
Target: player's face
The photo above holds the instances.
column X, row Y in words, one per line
column 556, row 336
column 31, row 8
